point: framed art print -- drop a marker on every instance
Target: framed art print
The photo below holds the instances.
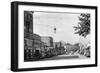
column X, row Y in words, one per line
column 52, row 36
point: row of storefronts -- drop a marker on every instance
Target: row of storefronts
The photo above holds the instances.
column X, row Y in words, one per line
column 35, row 45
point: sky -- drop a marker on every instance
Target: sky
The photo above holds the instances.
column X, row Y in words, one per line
column 45, row 22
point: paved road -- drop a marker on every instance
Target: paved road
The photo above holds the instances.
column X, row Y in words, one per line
column 60, row 57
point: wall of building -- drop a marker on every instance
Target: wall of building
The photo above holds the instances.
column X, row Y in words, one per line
column 48, row 41
column 28, row 21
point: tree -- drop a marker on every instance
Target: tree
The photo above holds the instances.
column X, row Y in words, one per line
column 83, row 27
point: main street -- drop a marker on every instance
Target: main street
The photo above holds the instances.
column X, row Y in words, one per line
column 65, row 56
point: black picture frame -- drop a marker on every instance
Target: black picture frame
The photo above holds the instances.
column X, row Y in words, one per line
column 14, row 35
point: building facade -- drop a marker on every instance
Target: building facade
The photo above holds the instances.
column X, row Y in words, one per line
column 48, row 41
column 32, row 41
column 28, row 21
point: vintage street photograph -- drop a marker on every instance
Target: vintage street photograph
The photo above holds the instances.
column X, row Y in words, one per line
column 56, row 36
